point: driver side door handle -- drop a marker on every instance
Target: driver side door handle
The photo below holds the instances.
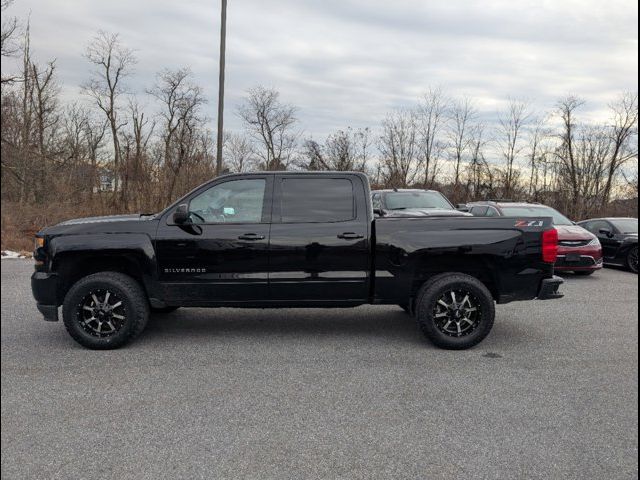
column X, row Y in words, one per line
column 350, row 236
column 251, row 236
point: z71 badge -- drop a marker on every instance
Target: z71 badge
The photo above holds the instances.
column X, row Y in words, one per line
column 529, row 223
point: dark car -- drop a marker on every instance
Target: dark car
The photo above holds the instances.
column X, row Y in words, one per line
column 579, row 251
column 285, row 239
column 619, row 239
column 407, row 202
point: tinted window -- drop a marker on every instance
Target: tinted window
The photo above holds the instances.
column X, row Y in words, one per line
column 478, row 211
column 235, row 201
column 316, row 200
column 376, row 201
column 536, row 211
column 409, row 200
column 492, row 212
column 595, row 227
column 626, row 225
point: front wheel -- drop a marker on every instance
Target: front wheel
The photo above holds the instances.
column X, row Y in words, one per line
column 632, row 260
column 105, row 310
column 455, row 311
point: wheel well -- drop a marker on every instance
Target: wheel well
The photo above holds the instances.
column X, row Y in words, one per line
column 72, row 268
column 474, row 267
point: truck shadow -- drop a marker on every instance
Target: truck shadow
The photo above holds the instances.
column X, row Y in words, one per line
column 368, row 324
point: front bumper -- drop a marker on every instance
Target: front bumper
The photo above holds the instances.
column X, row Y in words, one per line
column 578, row 262
column 44, row 287
column 549, row 288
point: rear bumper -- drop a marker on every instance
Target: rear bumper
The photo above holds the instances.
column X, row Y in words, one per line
column 549, row 288
column 44, row 287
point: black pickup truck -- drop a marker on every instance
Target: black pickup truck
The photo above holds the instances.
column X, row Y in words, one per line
column 282, row 239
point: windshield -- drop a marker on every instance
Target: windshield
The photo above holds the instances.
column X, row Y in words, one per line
column 536, row 211
column 626, row 225
column 410, row 200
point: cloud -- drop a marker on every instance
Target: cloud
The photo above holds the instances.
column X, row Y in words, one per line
column 348, row 62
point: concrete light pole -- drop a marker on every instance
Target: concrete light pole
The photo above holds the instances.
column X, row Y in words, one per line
column 223, row 41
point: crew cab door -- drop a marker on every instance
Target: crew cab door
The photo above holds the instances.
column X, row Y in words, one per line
column 320, row 248
column 221, row 255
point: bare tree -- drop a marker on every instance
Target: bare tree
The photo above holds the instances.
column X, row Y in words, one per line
column 181, row 123
column 344, row 150
column 566, row 153
column 460, row 133
column 113, row 62
column 44, row 105
column 239, row 154
column 399, row 148
column 511, row 141
column 432, row 112
column 624, row 137
column 8, row 46
column 271, row 124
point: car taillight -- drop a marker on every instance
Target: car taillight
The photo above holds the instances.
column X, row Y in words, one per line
column 550, row 246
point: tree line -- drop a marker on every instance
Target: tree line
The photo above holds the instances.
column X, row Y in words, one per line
column 112, row 150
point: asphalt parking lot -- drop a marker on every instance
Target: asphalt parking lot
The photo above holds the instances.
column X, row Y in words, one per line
column 353, row 393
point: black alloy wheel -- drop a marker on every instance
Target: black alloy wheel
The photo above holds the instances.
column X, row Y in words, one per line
column 455, row 310
column 105, row 310
column 457, row 313
column 102, row 313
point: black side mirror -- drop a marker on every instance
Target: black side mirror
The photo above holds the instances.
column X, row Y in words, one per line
column 462, row 207
column 181, row 215
column 379, row 212
column 607, row 232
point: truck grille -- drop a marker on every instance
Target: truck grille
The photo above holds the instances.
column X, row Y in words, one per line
column 574, row 243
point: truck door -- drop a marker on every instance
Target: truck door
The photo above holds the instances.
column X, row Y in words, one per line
column 222, row 254
column 319, row 247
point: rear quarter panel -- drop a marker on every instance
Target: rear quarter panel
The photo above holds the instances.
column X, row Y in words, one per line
column 503, row 252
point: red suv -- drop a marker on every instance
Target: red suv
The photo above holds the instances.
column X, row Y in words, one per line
column 579, row 251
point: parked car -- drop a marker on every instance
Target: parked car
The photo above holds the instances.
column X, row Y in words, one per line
column 579, row 251
column 282, row 239
column 407, row 202
column 619, row 239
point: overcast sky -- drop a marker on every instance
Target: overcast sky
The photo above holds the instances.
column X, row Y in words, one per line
column 347, row 62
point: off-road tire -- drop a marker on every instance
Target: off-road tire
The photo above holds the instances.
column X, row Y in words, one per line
column 430, row 293
column 134, row 302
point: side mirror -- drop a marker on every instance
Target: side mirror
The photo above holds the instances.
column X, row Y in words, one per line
column 379, row 212
column 462, row 207
column 181, row 215
column 607, row 232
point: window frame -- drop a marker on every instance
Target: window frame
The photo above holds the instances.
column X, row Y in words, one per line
column 276, row 215
column 266, row 206
column 484, row 212
column 491, row 207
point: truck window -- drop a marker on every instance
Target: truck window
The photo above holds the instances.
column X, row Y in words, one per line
column 314, row 200
column 479, row 211
column 235, row 201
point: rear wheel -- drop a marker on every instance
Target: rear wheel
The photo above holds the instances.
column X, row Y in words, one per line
column 105, row 310
column 632, row 260
column 455, row 311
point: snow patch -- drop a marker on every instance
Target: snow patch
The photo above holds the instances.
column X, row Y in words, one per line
column 5, row 254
